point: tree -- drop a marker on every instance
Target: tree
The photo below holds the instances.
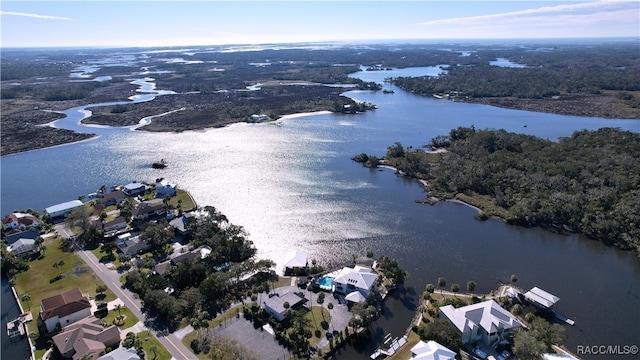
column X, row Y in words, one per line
column 442, row 331
column 39, row 241
column 514, row 278
column 471, row 286
column 101, row 288
column 526, row 346
column 455, row 288
column 430, row 288
column 154, row 348
column 26, row 297
column 516, row 309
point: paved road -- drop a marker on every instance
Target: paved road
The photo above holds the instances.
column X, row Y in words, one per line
column 112, row 279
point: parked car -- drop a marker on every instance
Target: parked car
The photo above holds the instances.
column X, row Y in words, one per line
column 479, row 352
column 504, row 356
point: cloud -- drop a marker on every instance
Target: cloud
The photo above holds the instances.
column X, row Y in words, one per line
column 36, row 16
column 588, row 12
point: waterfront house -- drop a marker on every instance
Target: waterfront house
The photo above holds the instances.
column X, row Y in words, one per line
column 148, row 208
column 357, row 279
column 20, row 221
column 22, row 246
column 296, row 261
column 134, row 188
column 180, row 224
column 484, row 322
column 165, row 188
column 431, row 350
column 62, row 209
column 542, row 299
column 86, row 339
column 64, row 309
column 259, row 117
column 112, row 198
column 274, row 305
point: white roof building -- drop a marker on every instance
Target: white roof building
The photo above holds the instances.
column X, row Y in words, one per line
column 541, row 298
column 485, row 321
column 22, row 246
column 358, row 278
column 296, row 259
column 431, row 351
column 63, row 208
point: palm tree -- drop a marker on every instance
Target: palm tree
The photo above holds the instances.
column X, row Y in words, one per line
column 442, row 282
column 455, row 288
column 471, row 285
column 26, row 298
column 153, row 349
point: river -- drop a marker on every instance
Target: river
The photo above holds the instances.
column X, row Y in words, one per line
column 292, row 185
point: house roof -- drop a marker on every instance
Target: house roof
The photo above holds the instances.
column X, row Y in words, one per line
column 147, row 207
column 541, row 297
column 297, row 259
column 360, row 277
column 487, row 315
column 277, row 302
column 86, row 336
column 21, row 218
column 431, row 351
column 163, row 267
column 63, row 206
column 121, row 354
column 116, row 221
column 64, row 304
column 22, row 245
column 356, row 297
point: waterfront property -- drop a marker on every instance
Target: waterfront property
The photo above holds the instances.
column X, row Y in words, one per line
column 484, row 322
column 62, row 209
column 131, row 245
column 149, row 208
column 86, row 339
column 20, row 221
column 296, row 261
column 165, row 188
column 134, row 188
column 64, row 309
column 431, row 350
column 356, row 283
column 542, row 299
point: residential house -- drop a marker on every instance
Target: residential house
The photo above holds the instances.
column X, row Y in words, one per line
column 22, row 246
column 486, row 322
column 20, row 221
column 180, row 224
column 13, row 235
column 131, row 245
column 259, row 117
column 295, row 261
column 431, row 350
column 64, row 309
column 134, row 188
column 121, row 354
column 275, row 305
column 148, row 208
column 356, row 283
column 116, row 224
column 112, row 198
column 86, row 339
column 62, row 209
column 165, row 188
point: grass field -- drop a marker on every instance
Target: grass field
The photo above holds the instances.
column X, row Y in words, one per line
column 182, row 197
column 149, row 340
column 36, row 282
column 315, row 317
column 129, row 321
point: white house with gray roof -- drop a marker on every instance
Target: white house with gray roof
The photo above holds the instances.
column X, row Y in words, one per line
column 486, row 322
column 358, row 278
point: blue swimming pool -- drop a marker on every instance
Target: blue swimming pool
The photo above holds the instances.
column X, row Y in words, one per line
column 325, row 282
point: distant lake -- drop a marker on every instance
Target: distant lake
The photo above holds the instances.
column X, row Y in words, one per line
column 502, row 62
column 292, row 185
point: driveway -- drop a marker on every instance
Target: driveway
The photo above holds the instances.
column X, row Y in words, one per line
column 257, row 341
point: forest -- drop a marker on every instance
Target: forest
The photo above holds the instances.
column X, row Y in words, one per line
column 587, row 183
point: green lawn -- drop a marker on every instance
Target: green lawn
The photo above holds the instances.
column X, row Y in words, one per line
column 315, row 317
column 36, row 282
column 130, row 319
column 405, row 350
column 212, row 324
column 149, row 340
column 187, row 202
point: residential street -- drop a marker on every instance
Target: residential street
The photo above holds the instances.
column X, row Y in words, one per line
column 111, row 278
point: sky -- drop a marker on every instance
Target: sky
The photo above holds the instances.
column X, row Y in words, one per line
column 184, row 23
